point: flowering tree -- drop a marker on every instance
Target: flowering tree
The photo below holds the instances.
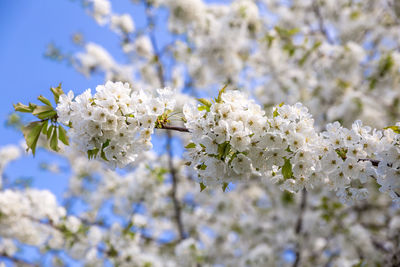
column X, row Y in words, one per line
column 291, row 152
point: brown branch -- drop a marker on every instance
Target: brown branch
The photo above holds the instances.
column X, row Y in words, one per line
column 177, row 207
column 299, row 226
column 17, row 261
column 160, row 73
column 157, row 54
column 175, row 128
column 321, row 22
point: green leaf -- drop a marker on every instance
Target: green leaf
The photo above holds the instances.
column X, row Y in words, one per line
column 287, row 197
column 62, row 135
column 308, row 53
column 202, row 187
column 224, row 186
column 204, row 101
column 224, row 149
column 276, row 113
column 32, row 133
column 395, row 129
column 385, row 65
column 286, row 33
column 92, row 153
column 341, row 152
column 47, row 115
column 372, row 82
column 219, row 99
column 54, row 140
column 44, row 100
column 204, row 108
column 44, row 112
column 102, row 153
column 50, row 131
column 57, row 92
column 44, row 129
column 23, row 108
column 190, row 145
column 287, row 169
column 41, row 109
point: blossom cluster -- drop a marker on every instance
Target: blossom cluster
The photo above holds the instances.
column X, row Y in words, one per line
column 8, row 154
column 21, row 214
column 223, row 134
column 232, row 139
column 115, row 123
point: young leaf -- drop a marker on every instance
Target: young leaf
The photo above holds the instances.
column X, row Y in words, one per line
column 22, row 108
column 287, row 169
column 276, row 113
column 32, row 133
column 395, row 129
column 44, row 100
column 50, row 131
column 204, row 101
column 47, row 115
column 57, row 92
column 224, row 186
column 44, row 112
column 202, row 187
column 204, row 108
column 54, row 140
column 41, row 109
column 62, row 135
column 219, row 98
column 92, row 153
column 44, row 129
column 190, row 145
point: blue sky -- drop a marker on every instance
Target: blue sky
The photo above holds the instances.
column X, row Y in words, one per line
column 27, row 27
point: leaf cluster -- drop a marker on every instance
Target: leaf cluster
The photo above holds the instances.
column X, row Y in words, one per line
column 47, row 124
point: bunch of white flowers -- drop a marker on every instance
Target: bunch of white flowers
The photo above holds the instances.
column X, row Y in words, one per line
column 122, row 23
column 8, row 154
column 223, row 134
column 292, row 146
column 101, row 10
column 233, row 139
column 389, row 164
column 21, row 214
column 344, row 159
column 115, row 123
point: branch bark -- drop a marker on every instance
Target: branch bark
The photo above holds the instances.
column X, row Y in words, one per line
column 160, row 74
column 321, row 23
column 17, row 261
column 177, row 206
column 299, row 227
column 175, row 128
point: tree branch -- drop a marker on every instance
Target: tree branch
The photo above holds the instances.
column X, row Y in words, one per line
column 177, row 207
column 321, row 22
column 17, row 261
column 157, row 54
column 175, row 128
column 160, row 73
column 299, row 227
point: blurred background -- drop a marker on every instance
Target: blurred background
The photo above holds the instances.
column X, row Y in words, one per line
column 28, row 28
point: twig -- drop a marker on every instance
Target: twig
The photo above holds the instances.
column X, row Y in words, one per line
column 175, row 128
column 17, row 261
column 321, row 22
column 177, row 207
column 160, row 73
column 299, row 226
